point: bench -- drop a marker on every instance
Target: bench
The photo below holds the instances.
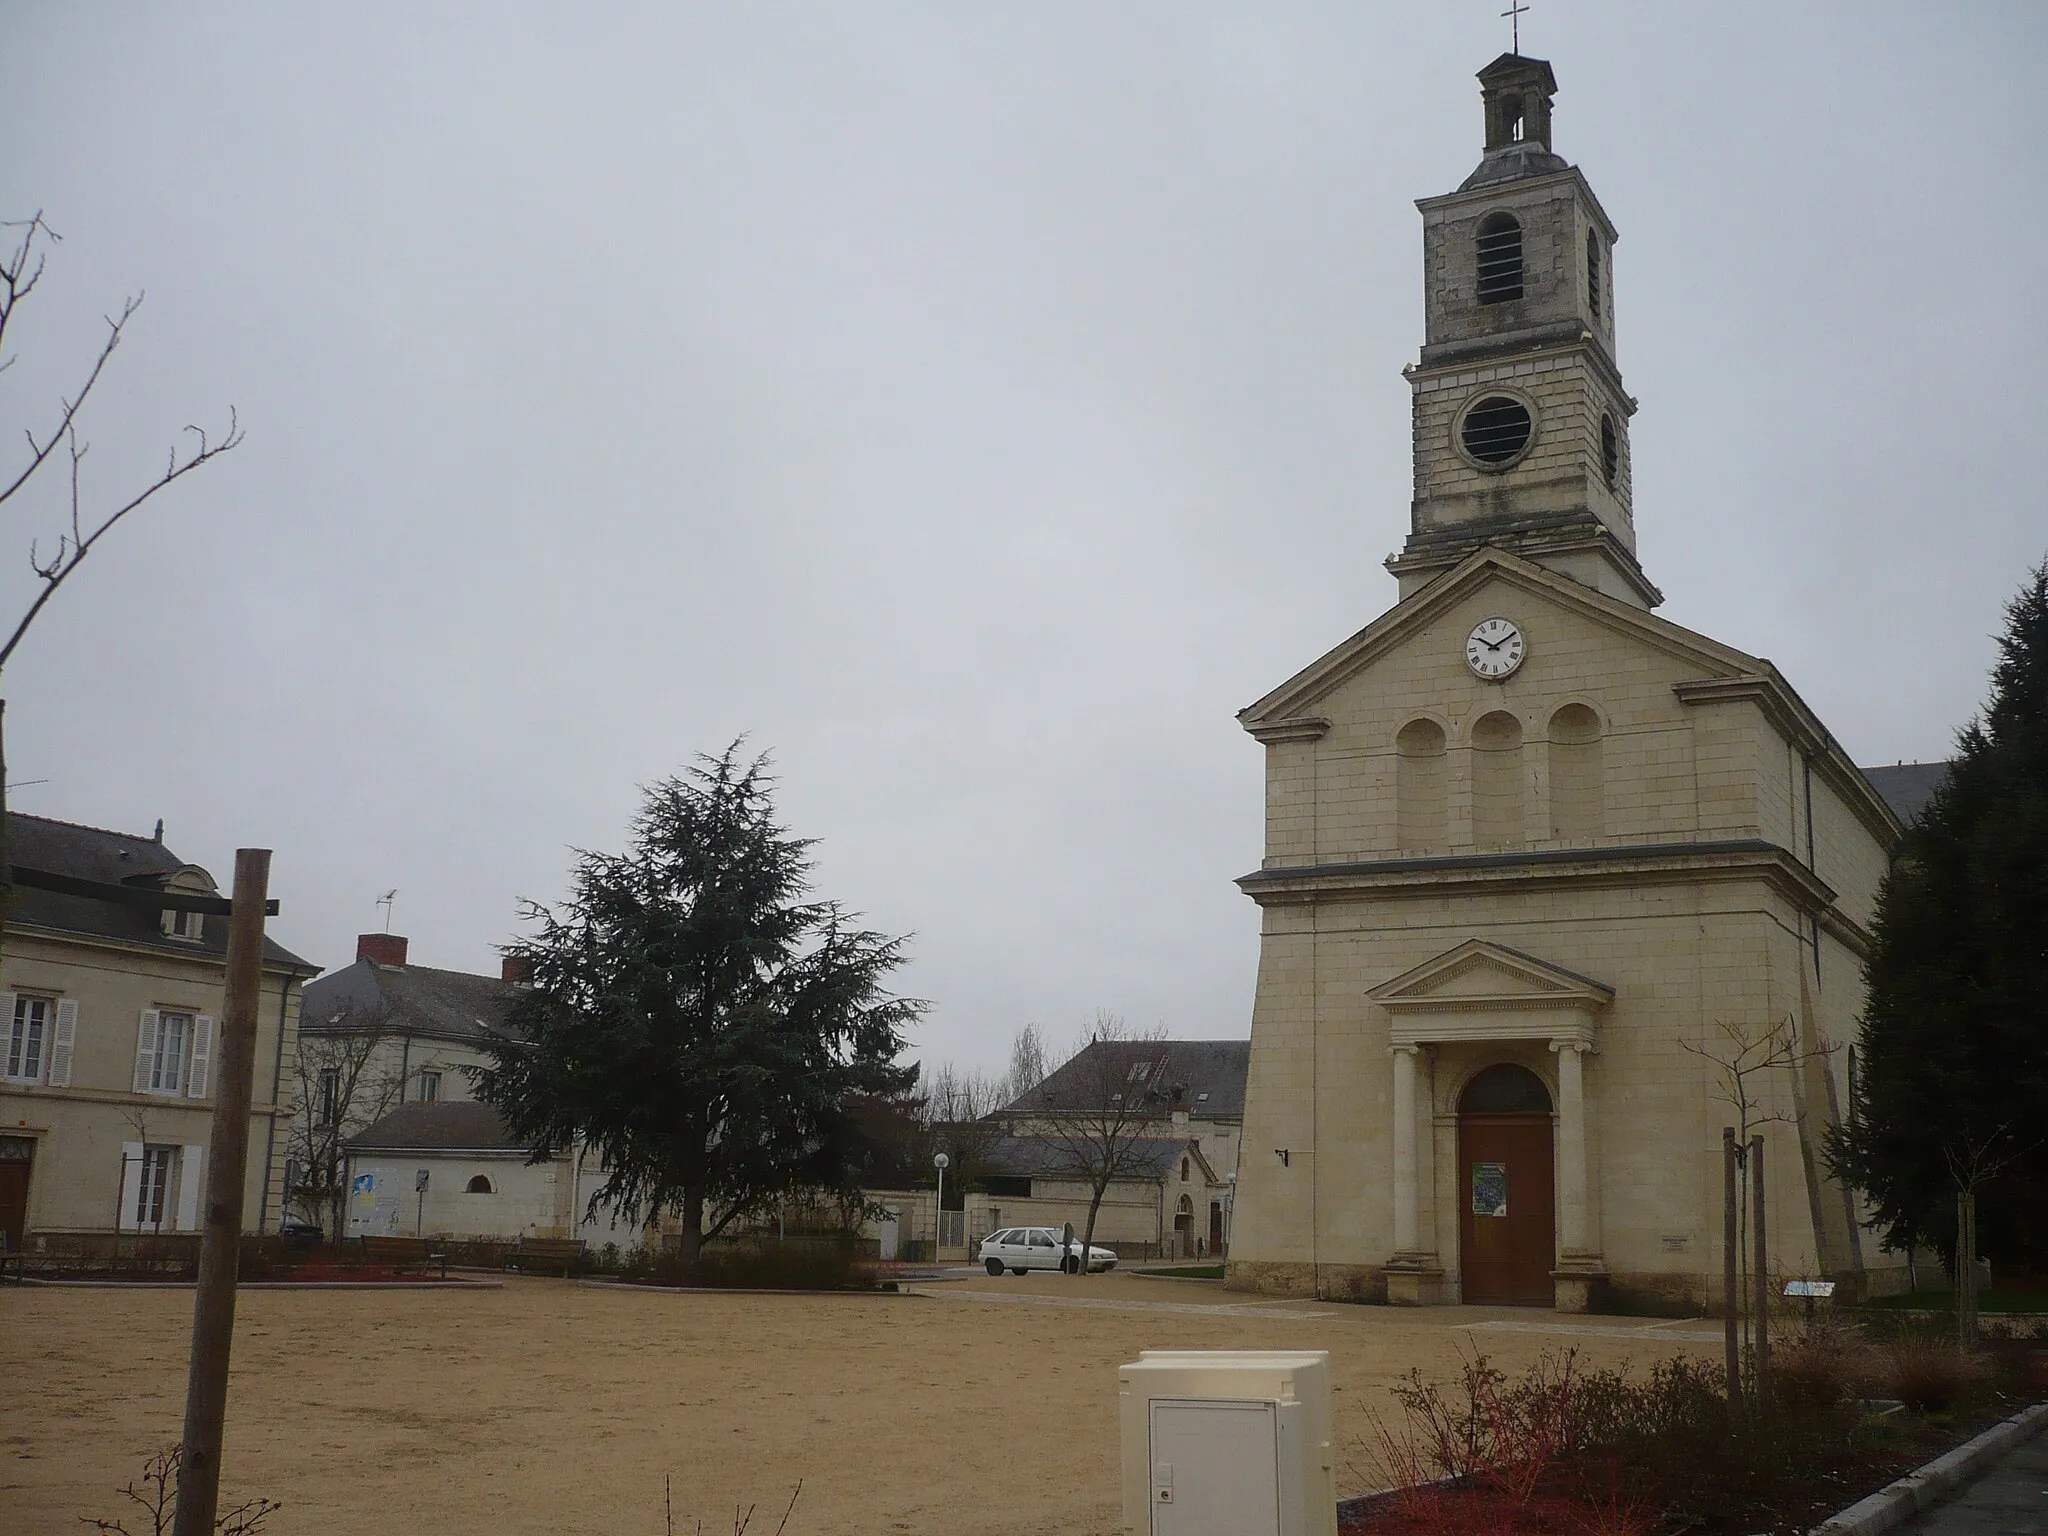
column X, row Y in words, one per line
column 403, row 1253
column 563, row 1253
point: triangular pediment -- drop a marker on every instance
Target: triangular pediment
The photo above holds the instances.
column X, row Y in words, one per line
column 1292, row 708
column 1481, row 972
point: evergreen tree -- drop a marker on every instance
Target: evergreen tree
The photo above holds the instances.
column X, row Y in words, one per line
column 1952, row 1080
column 696, row 1020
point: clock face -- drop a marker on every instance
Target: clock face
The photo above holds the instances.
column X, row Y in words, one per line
column 1494, row 648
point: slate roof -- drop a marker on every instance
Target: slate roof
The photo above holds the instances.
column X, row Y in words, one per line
column 1040, row 1157
column 115, row 858
column 1907, row 787
column 1193, row 1067
column 416, row 999
column 446, row 1125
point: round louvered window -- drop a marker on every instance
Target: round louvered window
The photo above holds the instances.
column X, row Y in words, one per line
column 1496, row 430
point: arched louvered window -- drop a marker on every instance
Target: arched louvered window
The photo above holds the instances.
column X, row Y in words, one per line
column 1500, row 258
column 1593, row 273
column 1610, row 451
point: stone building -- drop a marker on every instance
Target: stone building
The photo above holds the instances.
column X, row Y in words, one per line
column 1536, row 857
column 108, row 1042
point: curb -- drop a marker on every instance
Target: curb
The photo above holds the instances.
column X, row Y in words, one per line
column 1921, row 1490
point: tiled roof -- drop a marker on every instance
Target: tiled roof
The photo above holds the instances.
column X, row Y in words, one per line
column 446, row 1125
column 1192, row 1068
column 1907, row 787
column 115, row 858
column 451, row 1005
column 1043, row 1157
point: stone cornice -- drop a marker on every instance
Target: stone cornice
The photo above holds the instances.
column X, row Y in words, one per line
column 1787, row 712
column 1741, row 859
column 1296, row 728
column 1299, row 695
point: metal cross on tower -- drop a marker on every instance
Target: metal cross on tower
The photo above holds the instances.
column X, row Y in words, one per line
column 1515, row 11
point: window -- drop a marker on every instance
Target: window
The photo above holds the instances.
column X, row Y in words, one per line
column 1610, row 451
column 478, row 1186
column 430, row 1087
column 174, row 1035
column 1183, row 1170
column 27, row 1039
column 1500, row 259
column 329, row 1095
column 1496, row 430
column 1593, row 274
column 153, row 1190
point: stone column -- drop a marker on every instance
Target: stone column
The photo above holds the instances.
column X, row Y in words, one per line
column 1407, row 1225
column 1571, row 1149
column 1579, row 1265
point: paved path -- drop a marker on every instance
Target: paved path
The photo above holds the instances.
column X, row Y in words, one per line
column 2011, row 1501
column 1283, row 1307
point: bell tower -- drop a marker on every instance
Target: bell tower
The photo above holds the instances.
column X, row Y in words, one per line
column 1521, row 420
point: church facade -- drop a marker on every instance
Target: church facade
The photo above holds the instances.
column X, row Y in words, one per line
column 1551, row 885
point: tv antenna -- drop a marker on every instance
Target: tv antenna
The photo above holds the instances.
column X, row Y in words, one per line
column 1515, row 12
column 385, row 901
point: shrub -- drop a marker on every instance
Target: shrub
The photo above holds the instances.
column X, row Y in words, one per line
column 1932, row 1375
column 800, row 1266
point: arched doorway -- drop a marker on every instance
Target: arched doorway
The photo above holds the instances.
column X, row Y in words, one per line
column 1184, row 1228
column 1507, row 1199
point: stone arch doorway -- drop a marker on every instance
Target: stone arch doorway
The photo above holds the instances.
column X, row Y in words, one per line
column 1184, row 1228
column 1507, row 1198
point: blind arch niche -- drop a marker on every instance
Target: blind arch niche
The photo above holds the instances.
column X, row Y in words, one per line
column 1420, row 788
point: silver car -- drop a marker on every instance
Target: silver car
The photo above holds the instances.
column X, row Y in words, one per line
column 1020, row 1248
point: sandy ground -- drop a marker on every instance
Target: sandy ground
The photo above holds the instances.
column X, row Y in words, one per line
column 978, row 1408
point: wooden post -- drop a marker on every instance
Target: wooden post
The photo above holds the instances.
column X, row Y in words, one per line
column 1731, row 1289
column 213, row 1309
column 1763, row 1276
column 1966, row 1268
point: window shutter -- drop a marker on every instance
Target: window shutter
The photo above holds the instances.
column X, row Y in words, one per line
column 145, row 1049
column 6, row 1028
column 131, row 1182
column 202, row 1057
column 191, row 1174
column 63, row 1042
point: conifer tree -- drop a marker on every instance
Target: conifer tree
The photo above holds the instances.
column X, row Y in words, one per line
column 696, row 1020
column 1951, row 1093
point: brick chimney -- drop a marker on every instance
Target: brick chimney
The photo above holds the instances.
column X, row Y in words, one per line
column 386, row 949
column 516, row 971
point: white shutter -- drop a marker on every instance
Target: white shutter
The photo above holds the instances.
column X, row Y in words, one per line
column 131, row 1182
column 202, row 1057
column 7, row 1030
column 191, row 1172
column 63, row 1042
column 145, row 1049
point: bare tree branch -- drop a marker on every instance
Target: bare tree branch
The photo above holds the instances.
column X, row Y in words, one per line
column 64, row 563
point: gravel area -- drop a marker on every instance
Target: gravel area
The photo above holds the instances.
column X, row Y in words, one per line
column 548, row 1406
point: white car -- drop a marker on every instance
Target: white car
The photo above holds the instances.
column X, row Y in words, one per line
column 1020, row 1248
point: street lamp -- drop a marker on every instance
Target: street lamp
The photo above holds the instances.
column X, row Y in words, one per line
column 940, row 1161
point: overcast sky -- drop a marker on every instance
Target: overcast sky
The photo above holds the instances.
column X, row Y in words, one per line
column 976, row 406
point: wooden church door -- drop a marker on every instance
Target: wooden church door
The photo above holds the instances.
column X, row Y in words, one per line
column 1507, row 1197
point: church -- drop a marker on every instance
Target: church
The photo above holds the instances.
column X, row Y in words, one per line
column 1550, row 883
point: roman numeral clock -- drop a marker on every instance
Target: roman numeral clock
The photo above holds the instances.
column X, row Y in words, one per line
column 1494, row 648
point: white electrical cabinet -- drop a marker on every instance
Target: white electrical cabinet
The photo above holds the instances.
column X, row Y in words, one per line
column 1228, row 1443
